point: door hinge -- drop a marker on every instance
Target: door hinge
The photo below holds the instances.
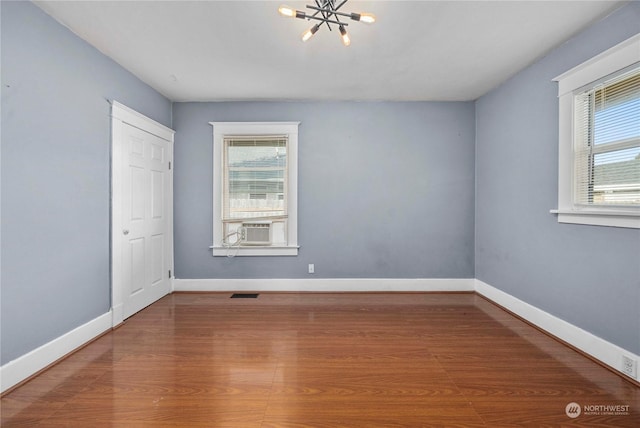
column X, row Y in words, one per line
column 169, row 164
column 169, row 274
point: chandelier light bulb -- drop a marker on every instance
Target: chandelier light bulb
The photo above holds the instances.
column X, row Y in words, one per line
column 285, row 10
column 367, row 18
column 310, row 32
column 345, row 36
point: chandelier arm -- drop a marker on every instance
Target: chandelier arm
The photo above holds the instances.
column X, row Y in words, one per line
column 321, row 18
column 340, row 5
column 331, row 12
column 324, row 12
column 317, row 10
column 317, row 18
column 342, row 24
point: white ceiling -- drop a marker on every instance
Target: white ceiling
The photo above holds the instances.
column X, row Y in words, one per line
column 244, row 50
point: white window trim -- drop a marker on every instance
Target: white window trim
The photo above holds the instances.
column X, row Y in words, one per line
column 220, row 129
column 612, row 60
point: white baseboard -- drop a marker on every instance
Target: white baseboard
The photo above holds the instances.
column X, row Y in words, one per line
column 31, row 363
column 326, row 285
column 117, row 315
column 600, row 349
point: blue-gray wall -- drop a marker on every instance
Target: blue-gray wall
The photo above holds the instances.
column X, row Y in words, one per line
column 586, row 275
column 385, row 190
column 55, row 176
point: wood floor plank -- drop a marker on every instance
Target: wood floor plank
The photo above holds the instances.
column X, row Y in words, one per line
column 321, row 360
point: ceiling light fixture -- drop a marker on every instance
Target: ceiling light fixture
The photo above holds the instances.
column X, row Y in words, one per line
column 327, row 12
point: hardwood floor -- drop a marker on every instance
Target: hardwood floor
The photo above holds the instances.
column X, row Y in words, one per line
column 323, row 360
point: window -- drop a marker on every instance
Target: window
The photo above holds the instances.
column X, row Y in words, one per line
column 599, row 153
column 607, row 142
column 255, row 188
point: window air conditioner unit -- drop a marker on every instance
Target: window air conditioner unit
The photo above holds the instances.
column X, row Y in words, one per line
column 256, row 233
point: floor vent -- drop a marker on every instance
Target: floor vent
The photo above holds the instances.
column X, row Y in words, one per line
column 244, row 296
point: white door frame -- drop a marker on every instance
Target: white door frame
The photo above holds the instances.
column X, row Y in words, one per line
column 121, row 114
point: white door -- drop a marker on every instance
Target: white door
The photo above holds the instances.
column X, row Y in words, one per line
column 141, row 219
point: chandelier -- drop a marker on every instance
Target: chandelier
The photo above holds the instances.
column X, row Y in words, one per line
column 327, row 12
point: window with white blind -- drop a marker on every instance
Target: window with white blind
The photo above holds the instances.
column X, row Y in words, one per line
column 255, row 188
column 255, row 178
column 607, row 142
column 599, row 163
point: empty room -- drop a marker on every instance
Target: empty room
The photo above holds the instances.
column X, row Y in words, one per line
column 320, row 213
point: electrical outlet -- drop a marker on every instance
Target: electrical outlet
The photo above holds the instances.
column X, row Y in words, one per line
column 312, row 268
column 629, row 367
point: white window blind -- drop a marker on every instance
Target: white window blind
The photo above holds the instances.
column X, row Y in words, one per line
column 607, row 142
column 255, row 178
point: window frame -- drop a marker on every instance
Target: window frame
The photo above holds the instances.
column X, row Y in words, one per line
column 613, row 60
column 222, row 129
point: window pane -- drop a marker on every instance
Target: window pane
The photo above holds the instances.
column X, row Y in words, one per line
column 257, row 156
column 619, row 122
column 616, row 177
column 255, row 177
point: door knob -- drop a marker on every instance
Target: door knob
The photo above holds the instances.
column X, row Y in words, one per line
column 125, row 231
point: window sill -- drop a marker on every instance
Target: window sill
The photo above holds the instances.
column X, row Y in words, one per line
column 628, row 219
column 254, row 251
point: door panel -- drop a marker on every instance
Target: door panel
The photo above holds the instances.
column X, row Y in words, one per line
column 136, row 265
column 158, row 262
column 157, row 194
column 145, row 224
column 136, row 196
